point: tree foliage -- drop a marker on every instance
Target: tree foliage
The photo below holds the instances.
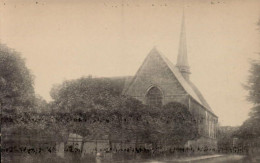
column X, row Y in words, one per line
column 253, row 85
column 95, row 107
column 85, row 93
column 16, row 85
column 178, row 124
column 250, row 128
column 21, row 117
column 92, row 107
column 225, row 137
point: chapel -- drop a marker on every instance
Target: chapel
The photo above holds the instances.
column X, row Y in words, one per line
column 158, row 81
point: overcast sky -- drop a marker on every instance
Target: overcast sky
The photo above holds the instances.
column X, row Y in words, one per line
column 68, row 39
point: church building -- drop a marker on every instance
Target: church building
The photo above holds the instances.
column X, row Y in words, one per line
column 158, row 82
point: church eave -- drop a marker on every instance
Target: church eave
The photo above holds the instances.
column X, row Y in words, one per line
column 204, row 107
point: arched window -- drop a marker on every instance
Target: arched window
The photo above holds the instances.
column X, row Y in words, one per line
column 154, row 97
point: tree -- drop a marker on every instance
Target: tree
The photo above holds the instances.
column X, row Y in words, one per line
column 86, row 106
column 178, row 124
column 17, row 102
column 16, row 85
column 41, row 104
column 250, row 128
column 95, row 107
column 85, row 93
column 225, row 138
column 253, row 85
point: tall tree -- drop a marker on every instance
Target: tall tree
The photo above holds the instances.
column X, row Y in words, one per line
column 16, row 85
column 253, row 85
column 250, row 128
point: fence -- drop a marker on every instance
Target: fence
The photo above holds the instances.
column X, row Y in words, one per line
column 77, row 147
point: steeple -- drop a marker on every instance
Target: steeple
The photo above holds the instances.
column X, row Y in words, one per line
column 182, row 60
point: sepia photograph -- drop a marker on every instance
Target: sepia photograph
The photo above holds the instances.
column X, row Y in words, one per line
column 130, row 81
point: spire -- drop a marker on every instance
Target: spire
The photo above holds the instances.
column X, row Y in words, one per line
column 182, row 60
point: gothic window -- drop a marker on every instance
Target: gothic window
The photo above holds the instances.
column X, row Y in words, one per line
column 154, row 97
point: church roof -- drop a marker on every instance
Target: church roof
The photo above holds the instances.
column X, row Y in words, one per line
column 188, row 86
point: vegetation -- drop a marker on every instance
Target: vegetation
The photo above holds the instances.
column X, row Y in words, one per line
column 91, row 107
column 17, row 96
column 95, row 107
column 249, row 132
column 225, row 138
column 16, row 82
column 250, row 128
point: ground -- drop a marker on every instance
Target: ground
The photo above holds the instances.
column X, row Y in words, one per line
column 210, row 159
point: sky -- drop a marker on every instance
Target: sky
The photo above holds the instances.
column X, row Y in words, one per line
column 68, row 39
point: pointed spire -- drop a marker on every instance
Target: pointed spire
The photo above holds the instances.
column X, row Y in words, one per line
column 182, row 60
